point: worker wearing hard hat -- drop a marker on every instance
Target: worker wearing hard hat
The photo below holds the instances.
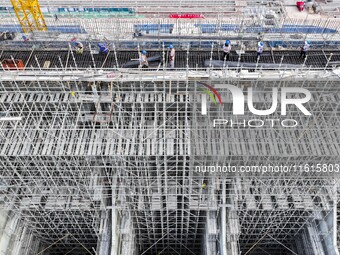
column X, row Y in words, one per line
column 79, row 47
column 172, row 56
column 143, row 60
column 103, row 49
column 25, row 38
column 304, row 49
column 260, row 46
column 226, row 50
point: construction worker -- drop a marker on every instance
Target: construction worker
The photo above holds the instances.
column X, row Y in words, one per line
column 172, row 56
column 137, row 33
column 79, row 47
column 304, row 49
column 143, row 60
column 25, row 38
column 260, row 49
column 226, row 50
column 204, row 190
column 103, row 49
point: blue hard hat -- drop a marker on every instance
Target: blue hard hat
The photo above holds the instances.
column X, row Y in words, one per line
column 144, row 52
column 261, row 44
column 227, row 42
column 171, row 46
column 76, row 43
column 307, row 42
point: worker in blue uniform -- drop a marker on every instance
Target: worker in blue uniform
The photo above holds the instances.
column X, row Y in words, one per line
column 304, row 49
column 226, row 50
column 103, row 49
column 79, row 47
column 260, row 46
column 25, row 38
column 143, row 60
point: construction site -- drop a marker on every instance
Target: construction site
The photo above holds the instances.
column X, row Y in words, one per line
column 214, row 153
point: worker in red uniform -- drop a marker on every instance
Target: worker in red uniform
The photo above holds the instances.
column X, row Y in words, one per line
column 300, row 5
column 172, row 56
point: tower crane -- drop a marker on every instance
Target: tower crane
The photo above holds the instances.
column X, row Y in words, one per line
column 29, row 15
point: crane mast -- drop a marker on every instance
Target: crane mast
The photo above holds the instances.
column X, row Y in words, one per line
column 29, row 15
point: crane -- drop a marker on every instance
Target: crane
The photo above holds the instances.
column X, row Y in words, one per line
column 29, row 15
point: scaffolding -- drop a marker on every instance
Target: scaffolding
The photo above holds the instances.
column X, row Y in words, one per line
column 161, row 7
column 100, row 160
column 29, row 15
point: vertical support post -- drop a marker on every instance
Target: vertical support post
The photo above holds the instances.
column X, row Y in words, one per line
column 211, row 54
column 281, row 60
column 94, row 63
column 204, row 104
column 114, row 246
column 36, row 60
column 188, row 56
column 223, row 219
column 328, row 60
column 335, row 222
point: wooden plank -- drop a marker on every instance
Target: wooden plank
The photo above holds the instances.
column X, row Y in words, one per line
column 153, row 146
column 323, row 143
column 148, row 147
column 119, row 149
column 2, row 98
column 47, row 64
column 273, row 140
column 70, row 150
column 38, row 98
column 127, row 147
column 12, row 146
column 160, row 147
column 79, row 139
column 66, row 97
column 16, row 98
column 226, row 147
column 9, row 98
column 82, row 142
column 110, row 146
column 106, row 144
column 61, row 141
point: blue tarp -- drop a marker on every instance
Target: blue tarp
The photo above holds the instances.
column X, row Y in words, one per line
column 132, row 45
column 63, row 29
column 214, row 28
column 95, row 10
column 297, row 44
column 154, row 27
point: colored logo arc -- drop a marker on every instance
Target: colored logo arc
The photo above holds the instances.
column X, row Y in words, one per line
column 213, row 91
